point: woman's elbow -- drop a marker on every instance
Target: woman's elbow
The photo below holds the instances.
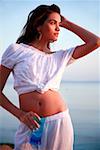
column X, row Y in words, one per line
column 95, row 43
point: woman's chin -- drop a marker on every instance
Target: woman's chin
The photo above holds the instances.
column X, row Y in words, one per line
column 53, row 40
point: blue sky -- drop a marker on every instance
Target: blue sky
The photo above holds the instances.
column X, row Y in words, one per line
column 86, row 13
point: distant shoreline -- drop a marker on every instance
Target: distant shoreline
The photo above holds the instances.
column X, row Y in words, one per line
column 66, row 81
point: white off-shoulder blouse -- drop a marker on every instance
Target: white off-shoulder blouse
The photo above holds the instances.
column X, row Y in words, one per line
column 34, row 70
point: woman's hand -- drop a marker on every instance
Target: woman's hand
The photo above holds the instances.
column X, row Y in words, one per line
column 64, row 22
column 31, row 119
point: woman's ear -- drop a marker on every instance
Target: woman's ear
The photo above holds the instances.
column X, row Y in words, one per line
column 39, row 29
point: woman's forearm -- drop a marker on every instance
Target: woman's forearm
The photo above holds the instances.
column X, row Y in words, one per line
column 84, row 34
column 6, row 104
column 25, row 117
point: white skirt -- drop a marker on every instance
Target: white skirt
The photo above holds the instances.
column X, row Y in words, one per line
column 57, row 134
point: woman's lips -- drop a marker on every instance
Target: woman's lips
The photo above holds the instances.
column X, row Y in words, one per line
column 56, row 34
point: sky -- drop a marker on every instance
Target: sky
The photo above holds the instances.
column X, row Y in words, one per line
column 85, row 13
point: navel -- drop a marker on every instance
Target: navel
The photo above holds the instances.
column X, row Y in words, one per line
column 40, row 103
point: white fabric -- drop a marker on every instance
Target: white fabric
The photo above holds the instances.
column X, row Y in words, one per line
column 34, row 69
column 57, row 134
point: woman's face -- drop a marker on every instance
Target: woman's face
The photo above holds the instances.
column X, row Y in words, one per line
column 50, row 29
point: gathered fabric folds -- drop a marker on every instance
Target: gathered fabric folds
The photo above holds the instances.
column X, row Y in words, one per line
column 57, row 134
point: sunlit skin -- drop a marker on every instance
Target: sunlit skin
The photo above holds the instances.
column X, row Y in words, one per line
column 36, row 104
column 50, row 102
column 49, row 32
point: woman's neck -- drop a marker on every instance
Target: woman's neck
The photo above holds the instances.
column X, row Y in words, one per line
column 40, row 45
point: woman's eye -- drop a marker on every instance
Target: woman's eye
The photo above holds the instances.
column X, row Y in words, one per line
column 52, row 23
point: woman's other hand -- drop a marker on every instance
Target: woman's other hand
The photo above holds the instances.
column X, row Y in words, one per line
column 30, row 119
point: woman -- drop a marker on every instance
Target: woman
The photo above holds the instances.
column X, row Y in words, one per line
column 37, row 74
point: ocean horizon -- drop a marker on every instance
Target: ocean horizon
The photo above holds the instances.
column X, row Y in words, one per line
column 83, row 99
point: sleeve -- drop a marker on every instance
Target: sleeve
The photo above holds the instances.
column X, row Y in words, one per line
column 68, row 56
column 9, row 57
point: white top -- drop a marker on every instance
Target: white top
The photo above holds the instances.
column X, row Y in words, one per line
column 34, row 69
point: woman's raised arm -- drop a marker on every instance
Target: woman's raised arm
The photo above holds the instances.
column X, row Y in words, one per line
column 92, row 41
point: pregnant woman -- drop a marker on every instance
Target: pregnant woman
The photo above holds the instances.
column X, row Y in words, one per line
column 45, row 122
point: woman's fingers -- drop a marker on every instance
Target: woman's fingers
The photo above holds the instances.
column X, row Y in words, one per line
column 34, row 118
column 37, row 116
column 64, row 22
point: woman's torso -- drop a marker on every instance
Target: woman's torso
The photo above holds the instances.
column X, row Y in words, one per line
column 45, row 104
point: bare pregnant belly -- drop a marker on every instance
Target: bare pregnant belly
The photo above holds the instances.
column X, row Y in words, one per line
column 45, row 104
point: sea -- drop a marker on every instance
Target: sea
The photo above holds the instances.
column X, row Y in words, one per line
column 83, row 99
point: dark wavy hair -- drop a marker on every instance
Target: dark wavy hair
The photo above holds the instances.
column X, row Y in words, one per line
column 36, row 18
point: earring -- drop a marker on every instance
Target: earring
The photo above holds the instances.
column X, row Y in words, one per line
column 40, row 36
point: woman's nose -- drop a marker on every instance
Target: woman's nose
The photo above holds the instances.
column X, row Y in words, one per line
column 57, row 28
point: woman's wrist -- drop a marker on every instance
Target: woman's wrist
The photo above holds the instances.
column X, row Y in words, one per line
column 20, row 115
